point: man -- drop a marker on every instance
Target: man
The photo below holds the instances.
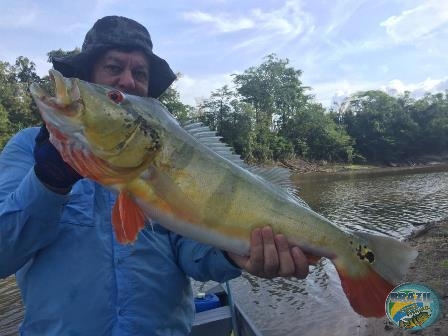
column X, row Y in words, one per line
column 56, row 232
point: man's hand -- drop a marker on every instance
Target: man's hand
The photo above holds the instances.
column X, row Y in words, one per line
column 50, row 168
column 271, row 256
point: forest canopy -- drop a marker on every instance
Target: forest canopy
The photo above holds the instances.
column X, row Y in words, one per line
column 270, row 115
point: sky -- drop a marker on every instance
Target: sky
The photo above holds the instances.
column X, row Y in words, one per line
column 341, row 46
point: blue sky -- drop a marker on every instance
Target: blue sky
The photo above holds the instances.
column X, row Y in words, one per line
column 342, row 46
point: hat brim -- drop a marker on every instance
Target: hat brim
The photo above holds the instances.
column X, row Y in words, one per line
column 78, row 65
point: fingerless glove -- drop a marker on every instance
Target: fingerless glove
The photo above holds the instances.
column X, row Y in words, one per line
column 50, row 168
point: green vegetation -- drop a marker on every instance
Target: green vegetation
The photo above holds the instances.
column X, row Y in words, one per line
column 395, row 129
column 16, row 107
column 269, row 115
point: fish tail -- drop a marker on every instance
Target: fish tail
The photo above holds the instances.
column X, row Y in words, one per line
column 372, row 271
column 367, row 292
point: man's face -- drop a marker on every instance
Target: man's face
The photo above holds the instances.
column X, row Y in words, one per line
column 125, row 71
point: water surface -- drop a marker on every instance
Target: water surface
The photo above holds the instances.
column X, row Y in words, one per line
column 392, row 203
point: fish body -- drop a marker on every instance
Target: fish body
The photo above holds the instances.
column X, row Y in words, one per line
column 416, row 321
column 188, row 181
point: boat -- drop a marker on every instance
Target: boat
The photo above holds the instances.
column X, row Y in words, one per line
column 218, row 315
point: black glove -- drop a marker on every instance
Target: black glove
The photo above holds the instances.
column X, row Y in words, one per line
column 50, row 168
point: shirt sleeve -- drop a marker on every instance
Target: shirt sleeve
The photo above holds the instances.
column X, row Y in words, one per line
column 29, row 212
column 203, row 262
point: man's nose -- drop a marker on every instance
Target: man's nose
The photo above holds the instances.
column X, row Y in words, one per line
column 126, row 81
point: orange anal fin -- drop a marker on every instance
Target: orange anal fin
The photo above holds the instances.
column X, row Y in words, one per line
column 127, row 219
column 366, row 293
column 312, row 259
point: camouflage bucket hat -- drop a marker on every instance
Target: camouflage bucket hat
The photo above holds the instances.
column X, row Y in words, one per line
column 116, row 32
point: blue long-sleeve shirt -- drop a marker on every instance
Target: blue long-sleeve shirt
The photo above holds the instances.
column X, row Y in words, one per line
column 75, row 278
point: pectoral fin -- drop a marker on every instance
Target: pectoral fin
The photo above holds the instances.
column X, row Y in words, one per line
column 127, row 219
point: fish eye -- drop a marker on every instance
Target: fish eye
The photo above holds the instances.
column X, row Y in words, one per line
column 116, row 96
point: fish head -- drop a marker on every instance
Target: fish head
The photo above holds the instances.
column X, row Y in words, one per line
column 96, row 119
column 64, row 108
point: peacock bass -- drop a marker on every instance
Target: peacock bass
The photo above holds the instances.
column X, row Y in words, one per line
column 188, row 181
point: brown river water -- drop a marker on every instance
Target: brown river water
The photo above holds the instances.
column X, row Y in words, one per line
column 390, row 202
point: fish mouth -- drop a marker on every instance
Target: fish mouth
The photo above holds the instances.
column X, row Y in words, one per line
column 67, row 99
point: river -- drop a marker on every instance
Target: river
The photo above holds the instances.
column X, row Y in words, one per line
column 390, row 202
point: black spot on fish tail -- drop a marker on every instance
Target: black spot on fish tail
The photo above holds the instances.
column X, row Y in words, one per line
column 363, row 252
column 370, row 257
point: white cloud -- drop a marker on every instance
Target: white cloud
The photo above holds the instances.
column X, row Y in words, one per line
column 193, row 90
column 340, row 12
column 222, row 23
column 418, row 89
column 329, row 92
column 418, row 22
column 289, row 20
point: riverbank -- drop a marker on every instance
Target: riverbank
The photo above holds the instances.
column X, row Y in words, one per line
column 431, row 268
column 299, row 166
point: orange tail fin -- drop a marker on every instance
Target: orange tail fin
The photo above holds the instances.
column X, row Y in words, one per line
column 127, row 219
column 368, row 277
column 367, row 294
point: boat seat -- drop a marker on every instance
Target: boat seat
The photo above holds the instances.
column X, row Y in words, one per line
column 216, row 322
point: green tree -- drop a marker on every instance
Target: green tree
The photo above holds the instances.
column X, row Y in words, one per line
column 15, row 99
column 275, row 92
column 4, row 127
column 430, row 113
column 25, row 71
column 62, row 53
column 171, row 99
column 231, row 118
column 316, row 136
column 270, row 117
column 272, row 88
column 381, row 125
column 218, row 108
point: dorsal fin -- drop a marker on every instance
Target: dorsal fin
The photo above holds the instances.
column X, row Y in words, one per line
column 282, row 178
column 277, row 176
column 212, row 141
